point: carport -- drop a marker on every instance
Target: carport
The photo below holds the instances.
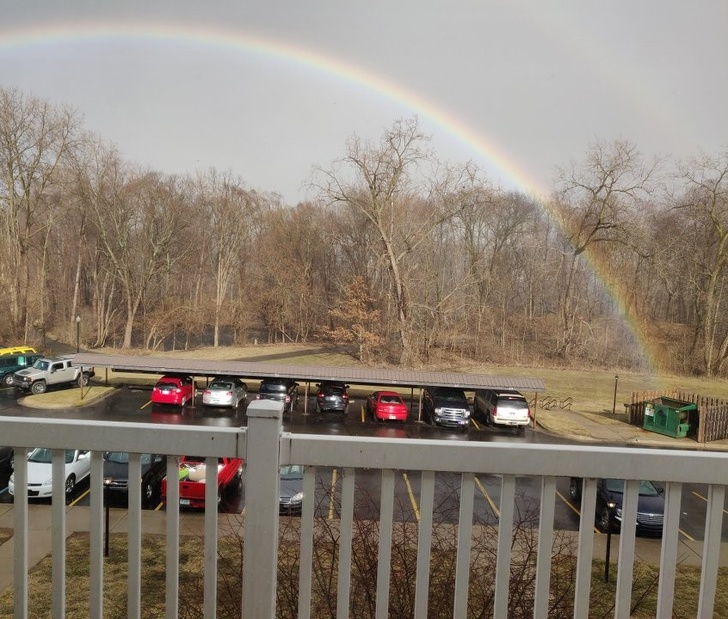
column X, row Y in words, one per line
column 258, row 370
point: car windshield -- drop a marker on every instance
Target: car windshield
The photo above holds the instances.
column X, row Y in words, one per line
column 292, row 471
column 120, row 457
column 220, row 384
column 450, row 394
column 647, row 488
column 40, row 365
column 43, row 455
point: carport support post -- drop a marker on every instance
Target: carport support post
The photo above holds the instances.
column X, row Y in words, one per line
column 262, row 461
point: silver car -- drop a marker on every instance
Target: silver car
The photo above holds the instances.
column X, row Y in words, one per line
column 225, row 391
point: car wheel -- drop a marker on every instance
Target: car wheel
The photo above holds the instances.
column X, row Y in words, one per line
column 8, row 380
column 70, row 484
column 83, row 380
column 603, row 520
column 38, row 387
column 575, row 489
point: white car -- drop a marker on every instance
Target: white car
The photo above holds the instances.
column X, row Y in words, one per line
column 40, row 478
column 225, row 392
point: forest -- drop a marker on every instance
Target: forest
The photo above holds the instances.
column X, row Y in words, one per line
column 402, row 257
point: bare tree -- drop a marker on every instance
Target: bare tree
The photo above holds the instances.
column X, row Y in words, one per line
column 597, row 203
column 34, row 138
column 704, row 202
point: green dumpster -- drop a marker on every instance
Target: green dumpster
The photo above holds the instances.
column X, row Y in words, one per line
column 671, row 417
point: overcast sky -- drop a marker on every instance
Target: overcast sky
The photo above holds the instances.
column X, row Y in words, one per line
column 269, row 89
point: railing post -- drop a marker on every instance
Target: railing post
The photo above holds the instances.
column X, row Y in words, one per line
column 262, row 461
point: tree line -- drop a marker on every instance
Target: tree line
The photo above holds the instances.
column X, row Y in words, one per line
column 406, row 258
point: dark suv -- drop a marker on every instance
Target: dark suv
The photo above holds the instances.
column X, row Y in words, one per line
column 9, row 364
column 332, row 396
column 281, row 389
column 446, row 406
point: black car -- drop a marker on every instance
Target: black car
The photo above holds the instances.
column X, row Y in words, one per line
column 281, row 389
column 332, row 396
column 116, row 476
column 291, row 489
column 446, row 406
column 650, row 505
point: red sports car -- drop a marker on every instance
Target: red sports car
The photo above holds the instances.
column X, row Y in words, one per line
column 176, row 390
column 387, row 405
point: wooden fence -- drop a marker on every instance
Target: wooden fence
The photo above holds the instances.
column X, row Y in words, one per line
column 711, row 419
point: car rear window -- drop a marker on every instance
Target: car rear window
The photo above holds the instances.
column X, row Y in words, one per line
column 272, row 388
column 167, row 385
column 390, row 399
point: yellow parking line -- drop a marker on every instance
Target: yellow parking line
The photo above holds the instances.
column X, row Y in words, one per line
column 77, row 499
column 487, row 497
column 475, row 423
column 332, row 511
column 363, row 416
column 145, row 405
column 413, row 500
column 574, row 508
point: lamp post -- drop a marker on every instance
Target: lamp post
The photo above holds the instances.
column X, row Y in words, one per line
column 107, row 483
column 78, row 333
column 610, row 506
column 614, row 404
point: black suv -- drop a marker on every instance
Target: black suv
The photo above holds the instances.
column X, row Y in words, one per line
column 116, row 476
column 446, row 406
column 332, row 396
column 9, row 364
column 281, row 389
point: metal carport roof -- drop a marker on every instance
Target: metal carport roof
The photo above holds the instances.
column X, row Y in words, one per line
column 261, row 370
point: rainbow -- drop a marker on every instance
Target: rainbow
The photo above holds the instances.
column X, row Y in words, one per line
column 84, row 32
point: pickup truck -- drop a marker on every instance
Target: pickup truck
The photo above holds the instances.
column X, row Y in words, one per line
column 192, row 479
column 47, row 371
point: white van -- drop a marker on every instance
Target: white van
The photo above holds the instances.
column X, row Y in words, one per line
column 502, row 407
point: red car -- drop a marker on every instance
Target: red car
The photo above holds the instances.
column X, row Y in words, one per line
column 176, row 390
column 387, row 405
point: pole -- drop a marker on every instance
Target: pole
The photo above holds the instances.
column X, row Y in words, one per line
column 78, row 333
column 106, row 528
column 614, row 405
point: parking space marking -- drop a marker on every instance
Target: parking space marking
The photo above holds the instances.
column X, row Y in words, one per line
column 145, row 405
column 484, row 492
column 363, row 416
column 475, row 423
column 77, row 499
column 332, row 495
column 412, row 498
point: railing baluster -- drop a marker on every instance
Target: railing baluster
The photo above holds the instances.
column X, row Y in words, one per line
column 585, row 548
column 668, row 555
column 625, row 568
column 172, row 576
column 424, row 543
column 58, row 534
column 545, row 544
column 96, row 536
column 134, row 536
column 711, row 550
column 346, row 522
column 211, row 503
column 465, row 530
column 505, row 537
column 20, row 534
column 307, row 513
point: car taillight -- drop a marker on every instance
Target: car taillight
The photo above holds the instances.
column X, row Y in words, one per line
column 345, row 396
column 288, row 398
column 207, row 392
column 257, row 396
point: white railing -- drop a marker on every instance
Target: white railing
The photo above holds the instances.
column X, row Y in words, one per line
column 264, row 447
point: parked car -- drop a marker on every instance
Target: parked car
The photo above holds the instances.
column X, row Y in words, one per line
column 446, row 406
column 225, row 391
column 291, row 489
column 332, row 396
column 12, row 362
column 503, row 407
column 40, row 471
column 386, row 405
column 173, row 389
column 650, row 504
column 116, row 471
column 281, row 389
column 192, row 472
column 6, row 457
